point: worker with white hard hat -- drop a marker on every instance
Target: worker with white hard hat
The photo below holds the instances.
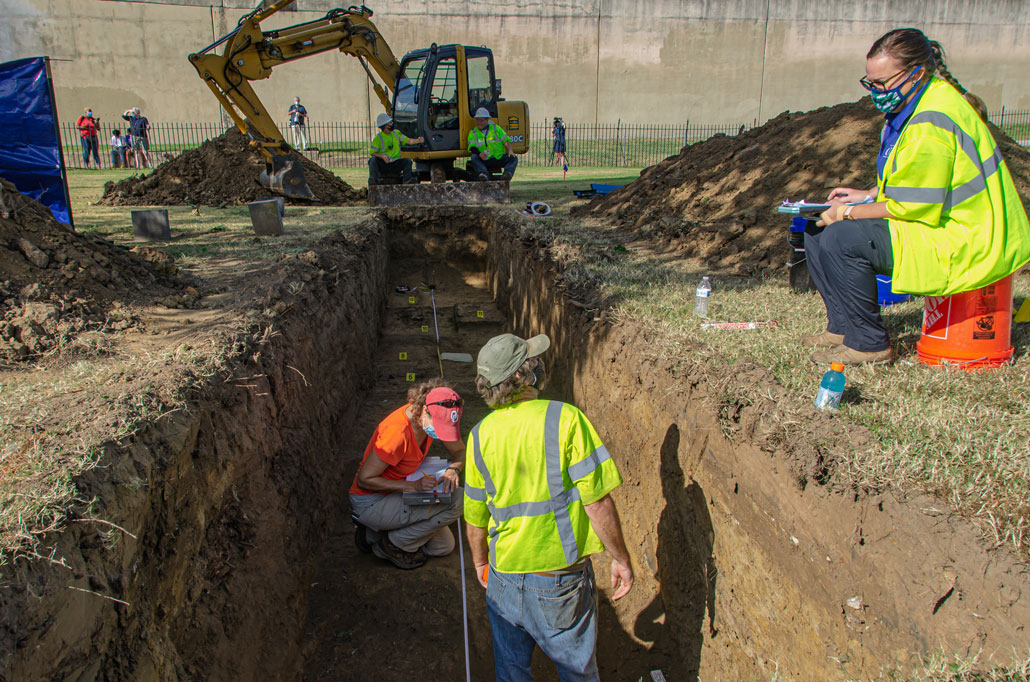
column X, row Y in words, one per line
column 386, row 161
column 490, row 147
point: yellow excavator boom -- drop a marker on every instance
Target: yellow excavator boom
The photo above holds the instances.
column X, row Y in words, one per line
column 250, row 54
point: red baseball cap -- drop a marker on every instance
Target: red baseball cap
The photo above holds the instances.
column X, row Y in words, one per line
column 445, row 405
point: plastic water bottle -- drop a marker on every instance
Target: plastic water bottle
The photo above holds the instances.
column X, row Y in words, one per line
column 831, row 388
column 704, row 292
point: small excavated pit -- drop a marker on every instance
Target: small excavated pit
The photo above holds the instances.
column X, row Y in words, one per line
column 245, row 565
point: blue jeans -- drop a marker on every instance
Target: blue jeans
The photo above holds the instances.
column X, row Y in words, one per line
column 90, row 144
column 507, row 162
column 558, row 613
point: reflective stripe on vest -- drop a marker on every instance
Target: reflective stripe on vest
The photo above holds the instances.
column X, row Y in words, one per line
column 560, row 499
column 942, row 195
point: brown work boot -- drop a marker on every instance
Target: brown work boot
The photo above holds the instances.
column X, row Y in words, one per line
column 823, row 340
column 850, row 356
column 384, row 549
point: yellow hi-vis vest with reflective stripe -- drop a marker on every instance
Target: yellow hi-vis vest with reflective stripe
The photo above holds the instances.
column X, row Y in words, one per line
column 957, row 221
column 390, row 145
column 530, row 468
column 492, row 142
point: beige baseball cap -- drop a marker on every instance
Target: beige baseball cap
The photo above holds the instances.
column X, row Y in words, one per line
column 504, row 354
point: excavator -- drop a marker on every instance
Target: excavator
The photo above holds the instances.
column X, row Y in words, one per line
column 431, row 93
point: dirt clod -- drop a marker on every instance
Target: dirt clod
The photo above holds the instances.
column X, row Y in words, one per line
column 221, row 172
column 57, row 285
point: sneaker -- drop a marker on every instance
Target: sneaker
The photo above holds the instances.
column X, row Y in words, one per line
column 483, row 177
column 361, row 538
column 384, row 549
column 850, row 356
column 823, row 340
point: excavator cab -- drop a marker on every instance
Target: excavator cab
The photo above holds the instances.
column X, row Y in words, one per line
column 438, row 90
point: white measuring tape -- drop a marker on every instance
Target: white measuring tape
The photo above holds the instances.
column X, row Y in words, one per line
column 461, row 548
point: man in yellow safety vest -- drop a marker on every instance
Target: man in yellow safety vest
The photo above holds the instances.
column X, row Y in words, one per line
column 537, row 505
column 386, row 161
column 490, row 147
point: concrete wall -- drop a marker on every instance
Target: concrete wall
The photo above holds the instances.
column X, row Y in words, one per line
column 663, row 61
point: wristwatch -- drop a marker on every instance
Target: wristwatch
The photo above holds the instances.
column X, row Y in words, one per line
column 847, row 213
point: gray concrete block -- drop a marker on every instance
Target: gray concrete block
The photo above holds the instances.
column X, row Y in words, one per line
column 151, row 225
column 265, row 217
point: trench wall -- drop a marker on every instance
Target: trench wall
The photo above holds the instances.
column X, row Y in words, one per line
column 230, row 500
column 660, row 61
column 741, row 573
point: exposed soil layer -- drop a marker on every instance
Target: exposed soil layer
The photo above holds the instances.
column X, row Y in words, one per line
column 221, row 172
column 57, row 285
column 716, row 199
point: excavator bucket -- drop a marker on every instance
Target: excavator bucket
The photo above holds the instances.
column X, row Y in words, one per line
column 439, row 194
column 285, row 175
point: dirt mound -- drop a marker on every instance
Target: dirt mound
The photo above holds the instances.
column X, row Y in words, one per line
column 717, row 198
column 222, row 171
column 60, row 290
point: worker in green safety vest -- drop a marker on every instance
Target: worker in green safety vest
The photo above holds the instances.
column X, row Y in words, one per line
column 490, row 147
column 944, row 217
column 386, row 162
column 537, row 504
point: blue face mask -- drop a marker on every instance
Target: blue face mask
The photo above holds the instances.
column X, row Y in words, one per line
column 887, row 101
column 430, row 431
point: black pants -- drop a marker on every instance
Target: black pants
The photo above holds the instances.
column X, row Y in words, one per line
column 844, row 259
column 379, row 170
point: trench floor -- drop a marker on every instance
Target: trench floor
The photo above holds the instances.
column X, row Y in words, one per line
column 367, row 619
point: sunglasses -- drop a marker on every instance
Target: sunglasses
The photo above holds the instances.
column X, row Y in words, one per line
column 868, row 84
column 450, row 403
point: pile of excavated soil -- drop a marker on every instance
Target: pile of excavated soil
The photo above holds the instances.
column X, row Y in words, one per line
column 221, row 172
column 717, row 199
column 58, row 288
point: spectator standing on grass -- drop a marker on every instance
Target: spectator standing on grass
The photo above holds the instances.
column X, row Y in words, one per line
column 385, row 160
column 537, row 505
column 386, row 526
column 117, row 149
column 490, row 147
column 558, row 133
column 139, row 129
column 89, row 136
column 944, row 216
column 298, row 124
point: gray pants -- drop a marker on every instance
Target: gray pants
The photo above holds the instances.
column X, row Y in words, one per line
column 409, row 528
column 844, row 259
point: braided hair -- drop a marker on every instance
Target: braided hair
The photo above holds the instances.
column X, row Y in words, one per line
column 911, row 48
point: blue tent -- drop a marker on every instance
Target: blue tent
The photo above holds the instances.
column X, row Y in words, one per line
column 30, row 144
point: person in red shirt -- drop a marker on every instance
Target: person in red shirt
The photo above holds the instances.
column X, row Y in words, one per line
column 385, row 525
column 89, row 136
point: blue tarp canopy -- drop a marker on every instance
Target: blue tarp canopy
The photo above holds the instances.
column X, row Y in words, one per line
column 30, row 144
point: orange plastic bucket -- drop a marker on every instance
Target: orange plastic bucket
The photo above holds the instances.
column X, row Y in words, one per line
column 969, row 330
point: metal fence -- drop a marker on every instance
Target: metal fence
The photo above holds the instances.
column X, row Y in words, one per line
column 345, row 145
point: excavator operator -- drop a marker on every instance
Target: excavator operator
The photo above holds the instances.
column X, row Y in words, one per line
column 386, row 161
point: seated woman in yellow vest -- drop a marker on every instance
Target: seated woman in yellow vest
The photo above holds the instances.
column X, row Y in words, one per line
column 386, row 161
column 490, row 147
column 943, row 218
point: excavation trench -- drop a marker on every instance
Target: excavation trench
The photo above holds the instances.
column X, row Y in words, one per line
column 245, row 566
